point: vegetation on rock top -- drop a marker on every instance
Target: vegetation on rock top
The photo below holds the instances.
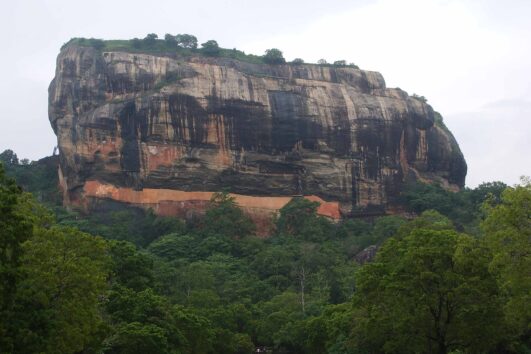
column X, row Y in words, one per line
column 187, row 45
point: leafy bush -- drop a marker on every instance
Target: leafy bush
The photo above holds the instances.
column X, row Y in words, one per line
column 210, row 48
column 274, row 56
column 186, row 41
column 170, row 40
column 297, row 61
column 225, row 218
column 8, row 157
column 420, row 98
column 340, row 63
column 150, row 40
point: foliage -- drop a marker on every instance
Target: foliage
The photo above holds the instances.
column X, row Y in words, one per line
column 489, row 191
column 224, row 218
column 186, row 41
column 134, row 225
column 429, row 291
column 170, row 40
column 210, row 48
column 37, row 177
column 150, row 40
column 86, row 42
column 463, row 208
column 181, row 41
column 15, row 229
column 58, row 301
column 136, row 43
column 420, row 98
column 156, row 285
column 8, row 157
column 130, row 268
column 135, row 337
column 186, row 45
column 297, row 61
column 299, row 218
column 507, row 230
column 274, row 56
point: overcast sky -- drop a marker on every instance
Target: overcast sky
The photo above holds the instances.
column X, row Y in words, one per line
column 471, row 59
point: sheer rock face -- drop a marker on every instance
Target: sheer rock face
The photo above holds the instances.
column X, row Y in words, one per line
column 131, row 126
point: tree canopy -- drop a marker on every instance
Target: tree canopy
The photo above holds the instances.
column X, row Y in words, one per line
column 507, row 230
column 428, row 291
column 130, row 281
column 274, row 56
column 210, row 48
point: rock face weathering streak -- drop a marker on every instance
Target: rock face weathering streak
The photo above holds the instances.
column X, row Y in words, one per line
column 165, row 132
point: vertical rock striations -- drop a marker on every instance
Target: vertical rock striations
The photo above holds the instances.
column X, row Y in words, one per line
column 167, row 131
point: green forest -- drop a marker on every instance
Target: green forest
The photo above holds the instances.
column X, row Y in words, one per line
column 453, row 277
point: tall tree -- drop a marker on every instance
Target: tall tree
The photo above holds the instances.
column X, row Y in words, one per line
column 15, row 228
column 274, row 56
column 428, row 292
column 9, row 157
column 151, row 39
column 508, row 232
column 186, row 41
column 225, row 218
column 299, row 218
column 58, row 300
column 210, row 48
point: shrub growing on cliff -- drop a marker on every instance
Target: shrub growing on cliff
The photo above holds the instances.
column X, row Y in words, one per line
column 420, row 98
column 181, row 40
column 210, row 48
column 96, row 43
column 297, row 61
column 186, row 41
column 136, row 43
column 150, row 40
column 274, row 56
column 340, row 63
column 170, row 40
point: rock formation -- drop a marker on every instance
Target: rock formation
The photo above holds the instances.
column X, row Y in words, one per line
column 166, row 131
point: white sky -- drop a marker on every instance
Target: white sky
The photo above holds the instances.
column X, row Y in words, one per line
column 470, row 58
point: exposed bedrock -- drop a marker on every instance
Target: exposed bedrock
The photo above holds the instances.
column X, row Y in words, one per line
column 131, row 126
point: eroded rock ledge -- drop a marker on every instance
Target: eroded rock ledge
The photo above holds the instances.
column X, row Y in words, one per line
column 167, row 131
